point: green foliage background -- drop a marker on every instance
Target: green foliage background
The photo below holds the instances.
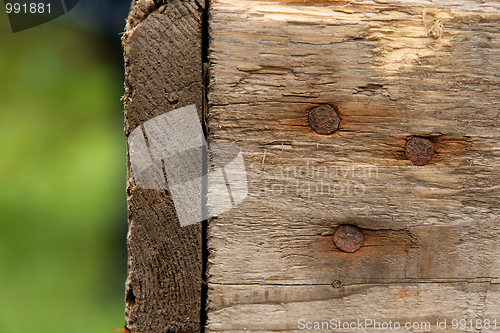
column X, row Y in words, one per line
column 62, row 182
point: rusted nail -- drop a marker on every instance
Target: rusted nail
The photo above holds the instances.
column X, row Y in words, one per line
column 336, row 284
column 324, row 119
column 348, row 238
column 419, row 150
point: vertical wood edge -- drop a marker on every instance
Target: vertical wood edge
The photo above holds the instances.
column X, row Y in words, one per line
column 163, row 71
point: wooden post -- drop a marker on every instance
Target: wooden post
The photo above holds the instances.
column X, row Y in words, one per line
column 379, row 115
column 163, row 64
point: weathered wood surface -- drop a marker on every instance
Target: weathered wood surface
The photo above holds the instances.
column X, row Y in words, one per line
column 394, row 70
column 163, row 63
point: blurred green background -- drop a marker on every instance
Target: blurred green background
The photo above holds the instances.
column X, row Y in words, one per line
column 62, row 178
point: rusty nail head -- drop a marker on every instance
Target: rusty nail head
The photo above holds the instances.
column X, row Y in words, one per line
column 336, row 284
column 348, row 238
column 419, row 150
column 324, row 119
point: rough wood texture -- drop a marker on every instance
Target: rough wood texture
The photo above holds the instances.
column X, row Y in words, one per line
column 163, row 61
column 394, row 70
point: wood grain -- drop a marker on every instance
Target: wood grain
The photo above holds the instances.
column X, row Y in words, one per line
column 163, row 62
column 394, row 70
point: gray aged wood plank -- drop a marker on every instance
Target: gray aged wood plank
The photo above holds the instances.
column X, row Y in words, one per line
column 163, row 63
column 394, row 70
column 280, row 308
